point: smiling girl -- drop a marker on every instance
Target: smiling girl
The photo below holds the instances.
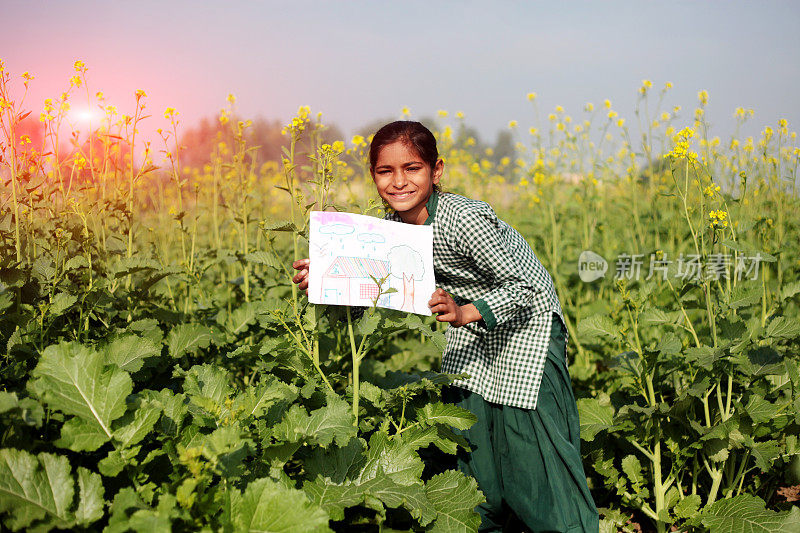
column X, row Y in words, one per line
column 507, row 334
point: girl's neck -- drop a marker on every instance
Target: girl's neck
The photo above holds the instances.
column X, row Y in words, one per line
column 419, row 215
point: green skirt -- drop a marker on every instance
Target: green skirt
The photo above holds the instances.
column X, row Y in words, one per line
column 527, row 461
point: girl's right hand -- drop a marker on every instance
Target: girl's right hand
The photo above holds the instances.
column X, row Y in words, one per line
column 301, row 278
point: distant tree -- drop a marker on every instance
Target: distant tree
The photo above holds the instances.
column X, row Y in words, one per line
column 503, row 146
column 198, row 142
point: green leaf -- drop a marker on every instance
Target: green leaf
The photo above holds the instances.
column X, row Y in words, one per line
column 703, row 356
column 783, row 328
column 128, row 352
column 173, row 406
column 263, row 258
column 39, row 491
column 243, row 316
column 397, row 460
column 73, row 379
column 717, row 450
column 596, row 415
column 279, row 225
column 35, row 488
column 334, row 498
column 132, row 265
column 188, row 338
column 77, row 261
column 655, row 317
column 443, row 413
column 760, row 410
column 746, row 514
column 367, row 324
column 745, row 294
column 748, row 249
column 597, row 326
column 91, row 503
column 789, row 290
column 61, row 302
column 112, row 464
column 255, row 401
column 669, row 344
column 336, row 463
column 136, row 424
column 81, row 435
column 454, row 497
column 226, row 448
column 687, row 507
column 27, row 410
column 209, row 382
column 6, row 299
column 394, row 495
column 760, row 361
column 764, row 452
column 269, row 506
column 322, row 426
column 419, row 437
column 633, row 469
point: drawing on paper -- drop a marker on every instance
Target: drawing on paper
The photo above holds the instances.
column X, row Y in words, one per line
column 349, row 252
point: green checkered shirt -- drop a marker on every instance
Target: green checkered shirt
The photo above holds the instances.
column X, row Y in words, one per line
column 478, row 258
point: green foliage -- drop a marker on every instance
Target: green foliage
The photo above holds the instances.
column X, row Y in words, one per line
column 41, row 492
column 161, row 373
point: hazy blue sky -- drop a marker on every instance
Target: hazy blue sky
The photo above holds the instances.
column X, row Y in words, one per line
column 364, row 60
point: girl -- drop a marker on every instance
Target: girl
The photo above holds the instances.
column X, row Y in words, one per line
column 507, row 334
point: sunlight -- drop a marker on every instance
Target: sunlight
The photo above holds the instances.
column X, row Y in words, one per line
column 84, row 115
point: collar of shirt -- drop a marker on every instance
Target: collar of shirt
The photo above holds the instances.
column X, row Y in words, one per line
column 430, row 205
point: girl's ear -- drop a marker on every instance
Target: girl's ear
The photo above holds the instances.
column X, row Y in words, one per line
column 438, row 168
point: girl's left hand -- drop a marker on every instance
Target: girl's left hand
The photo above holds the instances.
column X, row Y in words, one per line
column 443, row 304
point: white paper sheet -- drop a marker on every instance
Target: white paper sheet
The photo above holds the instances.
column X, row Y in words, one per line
column 346, row 249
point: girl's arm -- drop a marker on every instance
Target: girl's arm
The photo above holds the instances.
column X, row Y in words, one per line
column 506, row 259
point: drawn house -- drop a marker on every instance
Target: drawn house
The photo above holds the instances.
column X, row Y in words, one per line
column 351, row 276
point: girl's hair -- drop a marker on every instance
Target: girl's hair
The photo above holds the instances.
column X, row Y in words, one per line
column 413, row 134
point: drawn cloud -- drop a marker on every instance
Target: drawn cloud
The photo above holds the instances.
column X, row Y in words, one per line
column 336, row 229
column 371, row 237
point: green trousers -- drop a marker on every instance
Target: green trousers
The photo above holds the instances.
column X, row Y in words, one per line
column 527, row 461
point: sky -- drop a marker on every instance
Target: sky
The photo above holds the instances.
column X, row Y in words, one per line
column 362, row 61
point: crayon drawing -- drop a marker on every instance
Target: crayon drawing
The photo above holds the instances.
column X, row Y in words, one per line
column 349, row 252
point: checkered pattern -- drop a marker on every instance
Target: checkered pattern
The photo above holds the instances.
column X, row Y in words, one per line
column 479, row 258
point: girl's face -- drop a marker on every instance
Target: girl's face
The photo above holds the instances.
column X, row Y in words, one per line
column 405, row 181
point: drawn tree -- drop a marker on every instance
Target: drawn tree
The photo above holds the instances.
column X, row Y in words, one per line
column 406, row 263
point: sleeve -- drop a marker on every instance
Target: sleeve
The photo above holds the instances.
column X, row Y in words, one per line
column 500, row 254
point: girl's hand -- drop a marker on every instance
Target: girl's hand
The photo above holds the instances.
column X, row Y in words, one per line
column 443, row 304
column 301, row 278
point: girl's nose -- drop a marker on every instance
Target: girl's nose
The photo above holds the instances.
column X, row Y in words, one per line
column 399, row 180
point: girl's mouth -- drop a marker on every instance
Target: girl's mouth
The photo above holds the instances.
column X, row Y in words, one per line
column 401, row 195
